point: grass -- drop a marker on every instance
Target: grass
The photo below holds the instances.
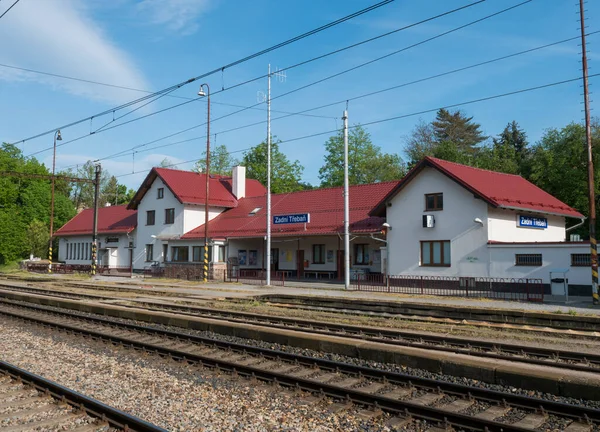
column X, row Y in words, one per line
column 12, row 267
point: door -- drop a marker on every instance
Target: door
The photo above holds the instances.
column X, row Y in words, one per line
column 340, row 265
column 274, row 260
column 113, row 255
column 300, row 264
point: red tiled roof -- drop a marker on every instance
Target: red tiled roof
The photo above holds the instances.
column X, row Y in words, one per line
column 326, row 208
column 190, row 188
column 111, row 220
column 498, row 189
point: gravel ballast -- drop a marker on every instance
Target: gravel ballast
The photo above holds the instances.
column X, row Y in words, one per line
column 346, row 359
column 173, row 395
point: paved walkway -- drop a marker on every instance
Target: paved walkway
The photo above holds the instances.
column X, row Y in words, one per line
column 579, row 305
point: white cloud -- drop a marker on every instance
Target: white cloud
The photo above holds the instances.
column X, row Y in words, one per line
column 177, row 15
column 61, row 37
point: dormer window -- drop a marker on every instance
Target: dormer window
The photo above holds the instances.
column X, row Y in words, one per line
column 253, row 212
column 434, row 202
column 160, row 193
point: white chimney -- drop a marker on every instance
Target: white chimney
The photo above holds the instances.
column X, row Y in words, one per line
column 239, row 181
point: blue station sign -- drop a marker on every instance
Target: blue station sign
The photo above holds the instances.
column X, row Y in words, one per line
column 532, row 222
column 291, row 219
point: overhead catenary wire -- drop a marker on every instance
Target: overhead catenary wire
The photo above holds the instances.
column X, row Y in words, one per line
column 66, row 77
column 330, row 76
column 398, row 117
column 10, row 7
column 294, row 66
column 486, row 62
column 220, row 69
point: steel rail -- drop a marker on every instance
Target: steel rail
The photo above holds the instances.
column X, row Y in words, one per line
column 573, row 412
column 92, row 407
column 468, row 346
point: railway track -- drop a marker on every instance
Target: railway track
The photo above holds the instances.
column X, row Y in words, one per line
column 436, row 405
column 29, row 402
column 573, row 360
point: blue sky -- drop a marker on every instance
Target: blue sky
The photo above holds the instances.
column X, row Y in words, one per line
column 152, row 44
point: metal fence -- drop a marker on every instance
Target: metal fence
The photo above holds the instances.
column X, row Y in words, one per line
column 79, row 268
column 254, row 277
column 476, row 287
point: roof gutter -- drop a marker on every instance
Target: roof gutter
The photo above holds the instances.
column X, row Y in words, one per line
column 576, row 225
column 537, row 211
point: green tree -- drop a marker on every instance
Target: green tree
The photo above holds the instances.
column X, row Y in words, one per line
column 366, row 162
column 285, row 175
column 559, row 165
column 24, row 199
column 451, row 136
column 166, row 163
column 221, row 161
column 457, row 128
column 420, row 143
column 37, row 238
column 512, row 150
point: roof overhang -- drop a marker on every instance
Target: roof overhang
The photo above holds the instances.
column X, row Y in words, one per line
column 379, row 209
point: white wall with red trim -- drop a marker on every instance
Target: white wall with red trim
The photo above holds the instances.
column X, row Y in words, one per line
column 471, row 255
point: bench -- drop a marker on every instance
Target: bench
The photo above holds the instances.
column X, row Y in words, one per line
column 319, row 274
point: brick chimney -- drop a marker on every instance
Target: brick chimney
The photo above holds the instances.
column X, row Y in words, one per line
column 239, row 181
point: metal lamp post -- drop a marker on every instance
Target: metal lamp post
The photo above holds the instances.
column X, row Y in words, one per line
column 57, row 137
column 207, row 94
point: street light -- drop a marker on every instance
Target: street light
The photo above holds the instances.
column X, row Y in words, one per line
column 57, row 137
column 201, row 93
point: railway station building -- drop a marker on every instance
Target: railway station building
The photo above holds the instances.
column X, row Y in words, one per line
column 441, row 219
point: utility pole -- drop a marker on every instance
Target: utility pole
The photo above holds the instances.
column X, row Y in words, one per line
column 95, row 227
column 58, row 137
column 268, row 278
column 207, row 177
column 591, row 183
column 346, row 207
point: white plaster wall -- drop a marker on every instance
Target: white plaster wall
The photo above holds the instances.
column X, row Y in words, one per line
column 193, row 216
column 502, row 226
column 288, row 248
column 235, row 245
column 469, row 255
column 145, row 232
column 502, row 262
column 121, row 246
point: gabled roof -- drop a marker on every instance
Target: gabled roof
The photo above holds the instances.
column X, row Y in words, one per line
column 326, row 208
column 497, row 189
column 190, row 188
column 111, row 220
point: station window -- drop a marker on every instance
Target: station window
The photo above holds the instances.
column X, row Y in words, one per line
column 581, row 260
column 361, row 254
column 198, row 253
column 169, row 216
column 160, row 193
column 434, row 202
column 149, row 252
column 150, row 217
column 319, row 254
column 435, row 253
column 179, row 253
column 530, row 260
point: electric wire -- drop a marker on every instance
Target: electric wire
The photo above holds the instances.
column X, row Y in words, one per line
column 11, row 6
column 291, row 67
column 398, row 117
column 132, row 149
column 220, row 69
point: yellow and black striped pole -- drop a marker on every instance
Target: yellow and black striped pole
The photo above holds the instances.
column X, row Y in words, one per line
column 206, row 262
column 93, row 270
column 50, row 257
